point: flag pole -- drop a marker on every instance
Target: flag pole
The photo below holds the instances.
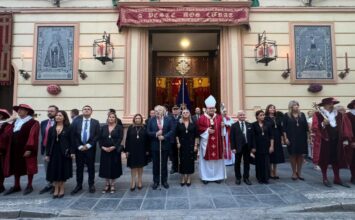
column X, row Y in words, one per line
column 183, row 89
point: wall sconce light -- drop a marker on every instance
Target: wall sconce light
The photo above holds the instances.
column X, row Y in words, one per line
column 82, row 74
column 346, row 71
column 56, row 3
column 287, row 71
column 103, row 49
column 307, row 3
column 266, row 50
column 24, row 74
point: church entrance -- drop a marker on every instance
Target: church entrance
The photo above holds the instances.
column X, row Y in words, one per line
column 184, row 67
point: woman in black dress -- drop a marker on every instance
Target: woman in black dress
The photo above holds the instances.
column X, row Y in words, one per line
column 58, row 154
column 110, row 143
column 263, row 146
column 187, row 141
column 296, row 135
column 274, row 120
column 137, row 150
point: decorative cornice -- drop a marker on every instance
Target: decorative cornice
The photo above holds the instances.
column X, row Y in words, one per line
column 175, row 4
column 302, row 9
column 185, row 4
column 58, row 10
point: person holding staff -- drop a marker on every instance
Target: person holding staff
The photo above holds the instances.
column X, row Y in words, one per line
column 160, row 131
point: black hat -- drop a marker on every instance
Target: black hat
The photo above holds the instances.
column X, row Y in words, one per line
column 351, row 105
column 328, row 101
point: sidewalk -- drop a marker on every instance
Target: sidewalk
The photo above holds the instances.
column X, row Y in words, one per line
column 280, row 199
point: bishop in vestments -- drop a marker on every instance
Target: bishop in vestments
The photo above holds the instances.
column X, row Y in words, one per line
column 211, row 160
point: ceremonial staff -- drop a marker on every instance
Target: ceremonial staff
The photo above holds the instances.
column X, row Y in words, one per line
column 316, row 107
column 160, row 164
column 223, row 145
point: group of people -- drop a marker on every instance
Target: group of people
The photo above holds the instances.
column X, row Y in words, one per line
column 215, row 140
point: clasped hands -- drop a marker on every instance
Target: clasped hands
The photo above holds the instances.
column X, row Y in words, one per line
column 108, row 149
column 159, row 135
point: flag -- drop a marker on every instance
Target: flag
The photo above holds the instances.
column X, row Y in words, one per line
column 183, row 92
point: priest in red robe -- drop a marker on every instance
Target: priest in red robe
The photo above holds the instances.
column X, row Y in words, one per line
column 211, row 160
column 334, row 130
column 5, row 137
column 351, row 116
column 24, row 148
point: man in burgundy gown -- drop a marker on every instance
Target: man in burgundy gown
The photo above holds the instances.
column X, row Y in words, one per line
column 335, row 130
column 351, row 116
column 24, row 148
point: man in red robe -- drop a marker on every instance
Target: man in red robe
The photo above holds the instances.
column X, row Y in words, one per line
column 334, row 129
column 24, row 148
column 5, row 137
column 351, row 116
column 211, row 159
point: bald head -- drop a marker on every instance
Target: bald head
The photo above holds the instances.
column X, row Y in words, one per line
column 241, row 115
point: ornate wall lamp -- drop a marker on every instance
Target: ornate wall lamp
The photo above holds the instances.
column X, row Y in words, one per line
column 346, row 71
column 307, row 3
column 266, row 50
column 24, row 74
column 82, row 74
column 103, row 49
column 286, row 72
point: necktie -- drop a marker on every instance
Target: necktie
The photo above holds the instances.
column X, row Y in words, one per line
column 244, row 133
column 45, row 139
column 85, row 134
column 159, row 124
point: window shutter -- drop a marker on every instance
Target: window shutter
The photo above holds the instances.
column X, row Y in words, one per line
column 5, row 48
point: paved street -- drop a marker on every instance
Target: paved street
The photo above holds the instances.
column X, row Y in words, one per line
column 280, row 199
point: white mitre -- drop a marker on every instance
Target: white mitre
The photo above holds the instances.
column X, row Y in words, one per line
column 210, row 102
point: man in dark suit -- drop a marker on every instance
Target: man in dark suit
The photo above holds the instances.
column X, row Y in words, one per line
column 241, row 142
column 175, row 117
column 45, row 126
column 197, row 114
column 84, row 136
column 160, row 129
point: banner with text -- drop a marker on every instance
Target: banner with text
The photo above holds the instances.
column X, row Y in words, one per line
column 182, row 16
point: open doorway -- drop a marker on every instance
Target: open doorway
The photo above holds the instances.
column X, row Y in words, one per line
column 189, row 56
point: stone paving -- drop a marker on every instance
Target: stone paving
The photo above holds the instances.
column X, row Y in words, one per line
column 281, row 196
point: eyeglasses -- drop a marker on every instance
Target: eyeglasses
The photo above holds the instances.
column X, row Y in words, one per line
column 185, row 112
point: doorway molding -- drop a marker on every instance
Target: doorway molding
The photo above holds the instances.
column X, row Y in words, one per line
column 136, row 82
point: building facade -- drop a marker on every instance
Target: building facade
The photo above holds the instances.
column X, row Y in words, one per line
column 314, row 41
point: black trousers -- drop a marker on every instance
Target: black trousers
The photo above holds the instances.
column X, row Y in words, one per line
column 174, row 157
column 85, row 158
column 245, row 154
column 156, row 167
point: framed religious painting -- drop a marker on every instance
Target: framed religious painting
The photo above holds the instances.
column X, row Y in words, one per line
column 55, row 53
column 313, row 53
